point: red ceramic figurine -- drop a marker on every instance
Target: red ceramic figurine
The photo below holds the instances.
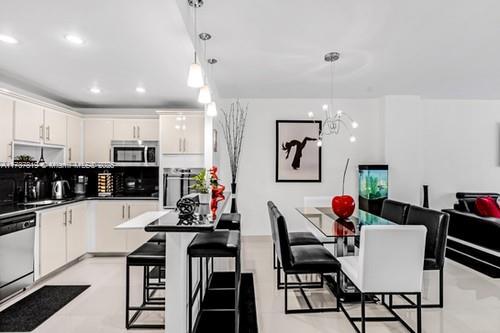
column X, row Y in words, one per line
column 343, row 205
column 217, row 190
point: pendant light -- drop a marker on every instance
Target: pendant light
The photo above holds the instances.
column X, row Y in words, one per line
column 333, row 122
column 212, row 107
column 204, row 96
column 195, row 76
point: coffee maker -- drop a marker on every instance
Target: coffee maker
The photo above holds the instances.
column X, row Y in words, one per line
column 81, row 185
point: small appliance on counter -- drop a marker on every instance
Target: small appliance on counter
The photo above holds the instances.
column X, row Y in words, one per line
column 176, row 184
column 60, row 189
column 81, row 183
column 135, row 153
column 104, row 184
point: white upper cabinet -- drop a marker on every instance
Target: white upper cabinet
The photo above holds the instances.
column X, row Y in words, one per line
column 74, row 144
column 55, row 127
column 28, row 122
column 182, row 134
column 148, row 129
column 98, row 134
column 135, row 129
column 6, row 125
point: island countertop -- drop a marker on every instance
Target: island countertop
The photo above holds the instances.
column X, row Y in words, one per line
column 203, row 221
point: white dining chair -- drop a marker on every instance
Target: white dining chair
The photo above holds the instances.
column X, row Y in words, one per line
column 390, row 262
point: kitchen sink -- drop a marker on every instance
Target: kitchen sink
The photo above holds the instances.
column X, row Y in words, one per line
column 41, row 203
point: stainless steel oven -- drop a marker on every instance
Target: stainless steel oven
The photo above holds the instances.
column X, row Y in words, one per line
column 176, row 184
column 135, row 153
column 17, row 253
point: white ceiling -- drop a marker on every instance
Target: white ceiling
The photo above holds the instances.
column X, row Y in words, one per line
column 440, row 49
column 266, row 49
column 127, row 43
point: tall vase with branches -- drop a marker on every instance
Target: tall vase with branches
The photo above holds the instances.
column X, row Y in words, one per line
column 233, row 126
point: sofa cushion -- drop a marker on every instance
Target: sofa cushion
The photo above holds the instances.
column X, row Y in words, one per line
column 487, row 207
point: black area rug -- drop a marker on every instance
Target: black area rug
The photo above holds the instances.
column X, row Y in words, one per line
column 248, row 309
column 31, row 311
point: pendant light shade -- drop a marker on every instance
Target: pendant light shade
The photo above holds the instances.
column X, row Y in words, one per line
column 204, row 97
column 212, row 110
column 195, row 76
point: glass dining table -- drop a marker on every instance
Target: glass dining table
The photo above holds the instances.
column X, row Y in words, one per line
column 342, row 233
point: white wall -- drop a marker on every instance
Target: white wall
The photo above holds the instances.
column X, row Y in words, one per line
column 256, row 178
column 461, row 144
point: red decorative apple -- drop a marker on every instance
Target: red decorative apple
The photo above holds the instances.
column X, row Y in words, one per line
column 343, row 205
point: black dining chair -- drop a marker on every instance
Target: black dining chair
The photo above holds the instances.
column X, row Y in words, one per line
column 436, row 223
column 301, row 259
column 394, row 211
column 296, row 239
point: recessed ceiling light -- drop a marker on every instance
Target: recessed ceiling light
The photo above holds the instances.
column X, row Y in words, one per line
column 74, row 39
column 140, row 90
column 95, row 90
column 8, row 39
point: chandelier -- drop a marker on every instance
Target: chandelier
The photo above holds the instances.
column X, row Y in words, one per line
column 334, row 121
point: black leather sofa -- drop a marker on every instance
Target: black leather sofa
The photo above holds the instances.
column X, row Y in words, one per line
column 474, row 240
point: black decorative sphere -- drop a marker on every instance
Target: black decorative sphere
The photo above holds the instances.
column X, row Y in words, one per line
column 186, row 206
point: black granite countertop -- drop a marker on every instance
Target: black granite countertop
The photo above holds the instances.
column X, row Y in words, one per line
column 19, row 209
column 203, row 220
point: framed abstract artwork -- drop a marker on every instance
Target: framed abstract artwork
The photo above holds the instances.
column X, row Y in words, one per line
column 298, row 157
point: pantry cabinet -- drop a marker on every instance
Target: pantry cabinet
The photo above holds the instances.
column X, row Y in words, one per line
column 6, row 126
column 98, row 134
column 74, row 140
column 183, row 134
column 28, row 122
column 63, row 236
column 136, row 129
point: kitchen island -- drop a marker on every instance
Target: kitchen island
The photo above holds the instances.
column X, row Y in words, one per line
column 179, row 234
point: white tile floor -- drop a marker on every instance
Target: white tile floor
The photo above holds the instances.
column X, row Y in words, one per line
column 472, row 300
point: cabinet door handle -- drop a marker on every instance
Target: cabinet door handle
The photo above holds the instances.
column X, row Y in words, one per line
column 138, row 132
column 48, row 133
column 71, row 216
column 180, row 148
column 9, row 149
column 110, row 154
column 69, row 154
column 65, row 218
column 41, row 132
column 123, row 212
column 184, row 143
column 128, row 207
column 134, row 132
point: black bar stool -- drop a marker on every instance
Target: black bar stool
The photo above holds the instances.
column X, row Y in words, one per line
column 156, row 274
column 229, row 221
column 222, row 293
column 146, row 256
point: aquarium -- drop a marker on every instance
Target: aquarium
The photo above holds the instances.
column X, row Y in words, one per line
column 373, row 187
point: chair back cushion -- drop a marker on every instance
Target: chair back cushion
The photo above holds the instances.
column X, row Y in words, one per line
column 436, row 223
column 394, row 211
column 281, row 241
column 391, row 258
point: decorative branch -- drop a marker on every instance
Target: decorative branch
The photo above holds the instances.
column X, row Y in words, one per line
column 233, row 127
column 345, row 171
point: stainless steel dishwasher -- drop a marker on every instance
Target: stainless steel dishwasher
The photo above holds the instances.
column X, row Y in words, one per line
column 17, row 253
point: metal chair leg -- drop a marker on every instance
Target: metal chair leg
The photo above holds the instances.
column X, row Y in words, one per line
column 127, row 296
column 419, row 313
column 441, row 288
column 286, row 292
column 363, row 314
column 190, row 300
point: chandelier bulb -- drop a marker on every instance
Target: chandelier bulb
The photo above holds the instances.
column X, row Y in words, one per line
column 325, row 107
column 354, row 124
column 339, row 112
column 310, row 114
column 319, row 143
column 352, row 139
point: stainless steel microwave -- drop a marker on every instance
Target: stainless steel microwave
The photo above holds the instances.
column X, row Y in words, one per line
column 135, row 153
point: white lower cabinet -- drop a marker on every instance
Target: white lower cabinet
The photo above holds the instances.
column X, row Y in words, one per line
column 63, row 236
column 111, row 213
column 136, row 238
